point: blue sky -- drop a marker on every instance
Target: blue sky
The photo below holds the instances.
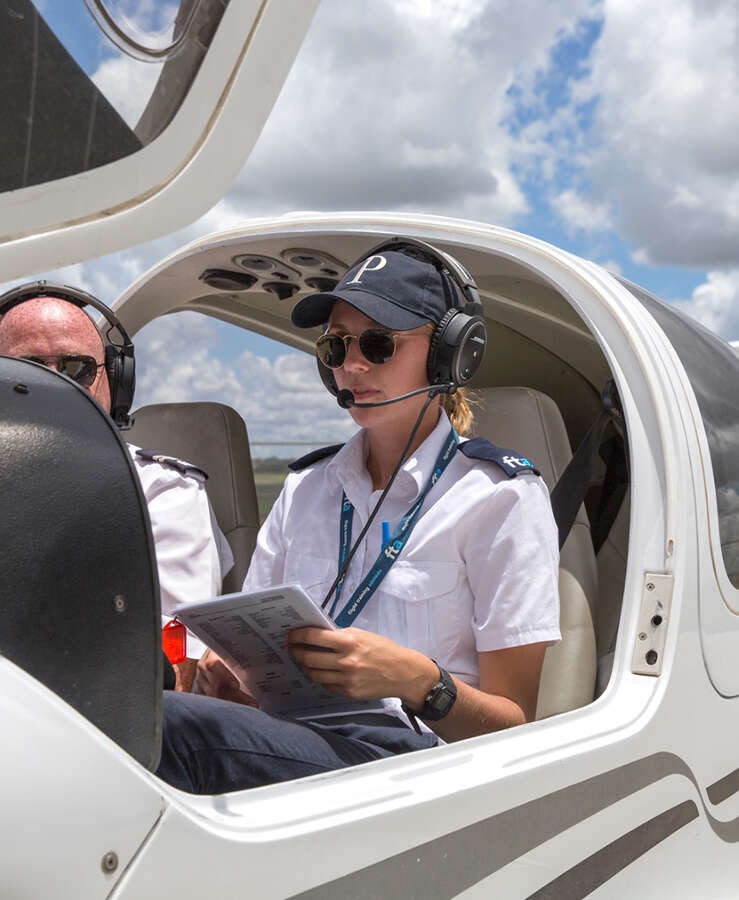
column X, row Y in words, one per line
column 607, row 127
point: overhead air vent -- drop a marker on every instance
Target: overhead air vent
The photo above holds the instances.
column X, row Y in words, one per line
column 314, row 263
column 226, row 280
column 323, row 284
column 266, row 267
column 255, row 263
column 283, row 289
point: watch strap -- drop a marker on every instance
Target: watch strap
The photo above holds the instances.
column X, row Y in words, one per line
column 439, row 700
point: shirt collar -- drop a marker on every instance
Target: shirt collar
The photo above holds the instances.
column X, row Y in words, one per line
column 419, row 467
column 349, row 464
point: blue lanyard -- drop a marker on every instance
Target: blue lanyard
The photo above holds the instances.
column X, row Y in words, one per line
column 391, row 549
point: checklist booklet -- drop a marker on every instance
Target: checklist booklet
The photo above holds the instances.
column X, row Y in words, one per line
column 249, row 632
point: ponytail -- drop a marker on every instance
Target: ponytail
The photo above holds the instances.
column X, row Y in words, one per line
column 457, row 407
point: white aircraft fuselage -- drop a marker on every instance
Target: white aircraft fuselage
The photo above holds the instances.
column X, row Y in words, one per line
column 626, row 784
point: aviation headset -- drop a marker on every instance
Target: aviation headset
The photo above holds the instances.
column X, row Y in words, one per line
column 454, row 353
column 120, row 364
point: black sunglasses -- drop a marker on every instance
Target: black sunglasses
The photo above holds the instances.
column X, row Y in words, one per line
column 376, row 345
column 82, row 369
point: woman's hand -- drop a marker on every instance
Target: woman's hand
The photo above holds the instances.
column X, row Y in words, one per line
column 361, row 665
column 214, row 679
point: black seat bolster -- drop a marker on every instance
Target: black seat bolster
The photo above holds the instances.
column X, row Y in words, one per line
column 79, row 596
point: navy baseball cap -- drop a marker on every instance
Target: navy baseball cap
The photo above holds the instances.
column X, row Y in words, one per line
column 394, row 289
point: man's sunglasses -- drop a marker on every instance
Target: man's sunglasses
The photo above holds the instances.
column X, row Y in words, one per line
column 82, row 369
column 376, row 345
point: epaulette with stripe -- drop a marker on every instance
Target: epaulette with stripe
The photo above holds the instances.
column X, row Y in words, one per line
column 313, row 457
column 171, row 462
column 508, row 460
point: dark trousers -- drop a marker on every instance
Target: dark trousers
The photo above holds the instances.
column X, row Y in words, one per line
column 213, row 746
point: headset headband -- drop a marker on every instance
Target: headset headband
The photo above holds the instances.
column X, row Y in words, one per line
column 442, row 261
column 58, row 291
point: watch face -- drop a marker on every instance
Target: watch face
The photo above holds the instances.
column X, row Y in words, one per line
column 440, row 699
column 443, row 700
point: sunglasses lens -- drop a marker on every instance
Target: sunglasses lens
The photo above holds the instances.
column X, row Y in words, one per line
column 377, row 346
column 81, row 369
column 331, row 350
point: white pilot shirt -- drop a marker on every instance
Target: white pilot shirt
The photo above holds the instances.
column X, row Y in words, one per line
column 479, row 571
column 193, row 555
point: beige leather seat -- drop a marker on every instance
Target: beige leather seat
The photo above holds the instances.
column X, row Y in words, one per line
column 213, row 437
column 529, row 422
column 611, row 576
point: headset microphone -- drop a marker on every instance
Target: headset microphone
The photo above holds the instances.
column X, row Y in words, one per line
column 346, row 400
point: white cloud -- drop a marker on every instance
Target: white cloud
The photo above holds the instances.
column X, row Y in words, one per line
column 181, row 358
column 127, row 84
column 402, row 105
column 581, row 214
column 715, row 303
column 612, row 266
column 145, row 20
column 666, row 129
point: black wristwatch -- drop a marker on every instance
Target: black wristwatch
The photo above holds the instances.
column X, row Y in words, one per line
column 439, row 700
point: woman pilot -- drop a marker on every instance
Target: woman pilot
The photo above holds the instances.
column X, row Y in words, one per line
column 435, row 555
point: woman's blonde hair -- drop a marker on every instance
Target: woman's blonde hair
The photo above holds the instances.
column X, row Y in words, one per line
column 457, row 407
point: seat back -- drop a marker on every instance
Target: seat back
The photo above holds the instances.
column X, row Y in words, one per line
column 79, row 596
column 530, row 423
column 213, row 437
column 611, row 561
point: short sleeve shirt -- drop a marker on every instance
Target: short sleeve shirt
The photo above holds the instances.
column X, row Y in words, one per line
column 191, row 551
column 478, row 573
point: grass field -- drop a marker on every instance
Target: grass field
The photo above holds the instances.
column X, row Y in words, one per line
column 269, row 474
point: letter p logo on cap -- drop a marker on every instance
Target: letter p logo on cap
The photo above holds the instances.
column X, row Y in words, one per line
column 367, row 266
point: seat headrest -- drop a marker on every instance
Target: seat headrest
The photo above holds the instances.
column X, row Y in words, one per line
column 214, row 437
column 527, row 421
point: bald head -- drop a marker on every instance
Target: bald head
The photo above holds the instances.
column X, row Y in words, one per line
column 49, row 327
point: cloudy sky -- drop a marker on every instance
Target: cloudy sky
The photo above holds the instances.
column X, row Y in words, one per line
column 608, row 127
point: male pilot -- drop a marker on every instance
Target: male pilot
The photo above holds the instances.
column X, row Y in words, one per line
column 192, row 552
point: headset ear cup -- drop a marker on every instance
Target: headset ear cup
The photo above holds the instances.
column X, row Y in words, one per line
column 113, row 370
column 457, row 348
column 127, row 384
column 121, row 368
column 327, row 377
column 470, row 343
column 439, row 361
